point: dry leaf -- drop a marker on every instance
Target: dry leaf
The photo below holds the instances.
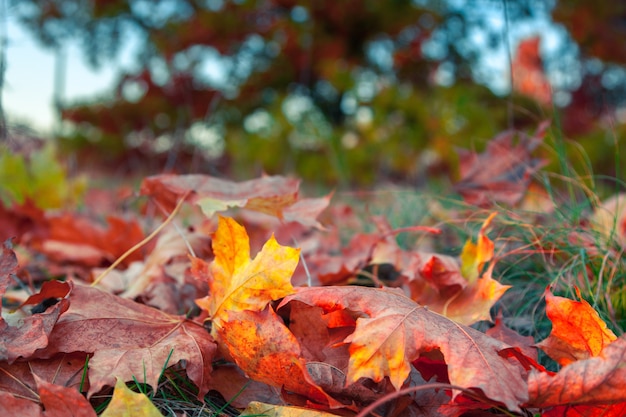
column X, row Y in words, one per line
column 392, row 331
column 237, row 283
column 597, row 380
column 59, row 401
column 129, row 340
column 126, row 403
column 577, row 333
column 502, row 173
column 273, row 195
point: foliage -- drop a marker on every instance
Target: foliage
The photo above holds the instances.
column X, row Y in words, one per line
column 40, row 177
column 355, row 319
column 334, row 92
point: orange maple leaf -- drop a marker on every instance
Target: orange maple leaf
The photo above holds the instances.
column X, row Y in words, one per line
column 577, row 333
column 242, row 321
column 469, row 292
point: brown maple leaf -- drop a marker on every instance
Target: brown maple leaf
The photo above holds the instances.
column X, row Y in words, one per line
column 129, row 340
column 274, row 195
column 392, row 330
column 503, row 172
column 80, row 240
column 23, row 332
column 24, row 385
column 597, row 380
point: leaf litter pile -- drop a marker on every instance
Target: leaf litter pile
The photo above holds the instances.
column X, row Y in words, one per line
column 326, row 327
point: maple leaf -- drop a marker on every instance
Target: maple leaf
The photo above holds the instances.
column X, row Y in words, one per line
column 475, row 255
column 597, row 410
column 528, row 75
column 60, row 401
column 395, row 330
column 502, row 173
column 270, row 410
column 22, row 222
column 273, row 195
column 237, row 283
column 242, row 321
column 129, row 340
column 126, row 403
column 265, row 349
column 462, row 292
column 21, row 336
column 597, row 380
column 78, row 240
column 577, row 333
column 52, row 382
column 10, row 403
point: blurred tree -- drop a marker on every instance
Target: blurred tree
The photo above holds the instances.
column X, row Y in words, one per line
column 348, row 91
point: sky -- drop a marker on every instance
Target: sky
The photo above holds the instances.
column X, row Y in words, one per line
column 27, row 95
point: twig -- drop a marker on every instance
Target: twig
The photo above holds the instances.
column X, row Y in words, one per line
column 143, row 242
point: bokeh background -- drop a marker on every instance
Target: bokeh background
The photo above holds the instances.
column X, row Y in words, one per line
column 344, row 93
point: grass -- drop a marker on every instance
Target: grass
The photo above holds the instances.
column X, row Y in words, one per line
column 551, row 242
column 559, row 246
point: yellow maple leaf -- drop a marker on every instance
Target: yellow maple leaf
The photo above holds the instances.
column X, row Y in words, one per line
column 238, row 283
column 126, row 403
column 475, row 255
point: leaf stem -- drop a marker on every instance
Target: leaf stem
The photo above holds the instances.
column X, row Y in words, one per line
column 142, row 243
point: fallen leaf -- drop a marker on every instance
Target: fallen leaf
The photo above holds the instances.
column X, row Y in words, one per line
column 577, row 333
column 270, row 410
column 502, row 173
column 80, row 240
column 240, row 390
column 126, row 403
column 273, row 195
column 597, row 380
column 602, row 410
column 22, row 335
column 264, row 348
column 528, row 73
column 475, row 255
column 31, row 380
column 60, row 401
column 10, row 403
column 237, row 283
column 8, row 266
column 395, row 330
column 241, row 318
column 129, row 340
column 509, row 336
